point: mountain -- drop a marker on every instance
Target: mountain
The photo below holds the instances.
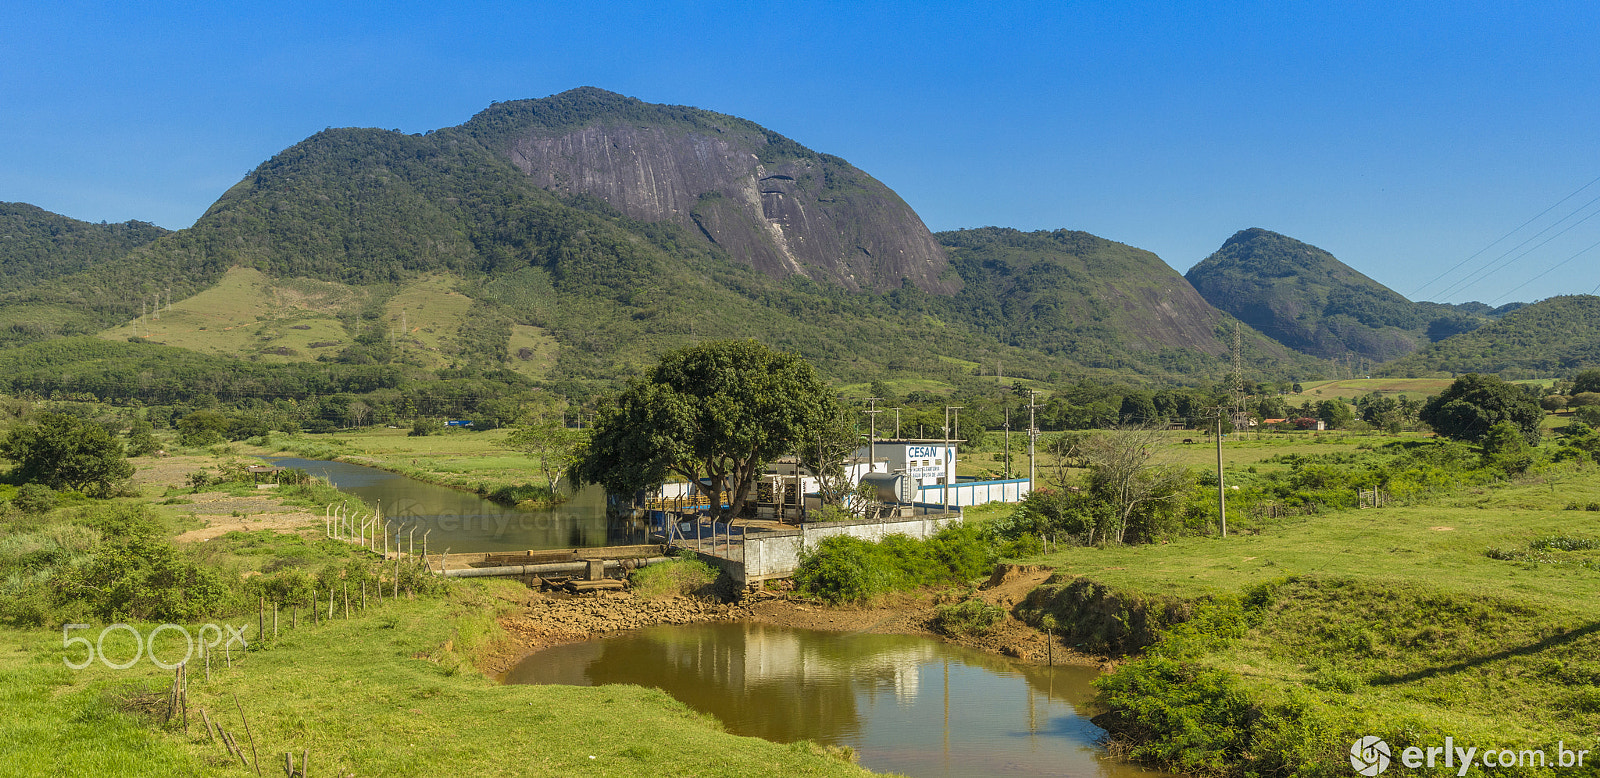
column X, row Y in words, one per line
column 1100, row 302
column 1553, row 337
column 1310, row 301
column 571, row 240
column 763, row 198
column 38, row 246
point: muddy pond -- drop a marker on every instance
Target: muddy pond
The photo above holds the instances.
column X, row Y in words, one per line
column 907, row 704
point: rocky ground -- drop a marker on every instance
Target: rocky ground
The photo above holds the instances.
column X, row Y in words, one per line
column 546, row 620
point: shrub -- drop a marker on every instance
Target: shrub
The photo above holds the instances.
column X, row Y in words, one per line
column 35, row 499
column 671, row 579
column 849, row 569
column 971, row 617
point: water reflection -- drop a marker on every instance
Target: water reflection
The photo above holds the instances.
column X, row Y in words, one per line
column 462, row 521
column 907, row 704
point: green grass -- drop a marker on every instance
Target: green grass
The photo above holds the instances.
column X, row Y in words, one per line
column 251, row 315
column 1391, row 621
column 389, row 692
column 1346, row 388
column 465, row 460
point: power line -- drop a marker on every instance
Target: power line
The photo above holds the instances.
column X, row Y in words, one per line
column 1491, row 244
column 1547, row 272
column 1497, row 265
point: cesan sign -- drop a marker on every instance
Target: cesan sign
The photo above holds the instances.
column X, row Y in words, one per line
column 916, row 455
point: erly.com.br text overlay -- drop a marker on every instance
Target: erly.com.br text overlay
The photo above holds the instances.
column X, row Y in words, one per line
column 1371, row 756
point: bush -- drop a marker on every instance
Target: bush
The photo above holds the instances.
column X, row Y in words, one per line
column 849, row 569
column 422, row 427
column 671, row 579
column 35, row 499
column 971, row 617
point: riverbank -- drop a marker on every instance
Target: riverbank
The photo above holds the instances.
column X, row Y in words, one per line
column 475, row 462
column 545, row 620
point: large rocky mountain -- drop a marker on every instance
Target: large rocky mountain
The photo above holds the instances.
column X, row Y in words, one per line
column 1307, row 299
column 763, row 198
column 588, row 232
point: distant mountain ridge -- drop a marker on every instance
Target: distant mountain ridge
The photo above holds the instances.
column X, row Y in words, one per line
column 566, row 229
column 1553, row 337
column 1310, row 301
column 36, row 244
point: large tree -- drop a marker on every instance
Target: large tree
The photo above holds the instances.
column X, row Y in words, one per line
column 65, row 452
column 721, row 410
column 1475, row 403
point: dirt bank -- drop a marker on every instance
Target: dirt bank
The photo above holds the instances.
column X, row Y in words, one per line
column 546, row 620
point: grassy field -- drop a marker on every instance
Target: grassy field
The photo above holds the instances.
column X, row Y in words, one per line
column 532, row 350
column 1455, row 618
column 465, row 460
column 391, row 691
column 247, row 313
column 431, row 312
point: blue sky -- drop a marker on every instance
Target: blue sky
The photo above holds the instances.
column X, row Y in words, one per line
column 1402, row 137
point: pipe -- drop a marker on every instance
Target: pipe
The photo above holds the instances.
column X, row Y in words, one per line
column 549, row 567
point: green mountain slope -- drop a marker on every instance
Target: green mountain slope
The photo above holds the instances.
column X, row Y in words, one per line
column 1096, row 301
column 37, row 246
column 592, row 284
column 1310, row 301
column 1557, row 336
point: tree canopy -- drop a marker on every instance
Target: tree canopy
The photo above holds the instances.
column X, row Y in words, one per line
column 65, row 452
column 1475, row 403
column 720, row 410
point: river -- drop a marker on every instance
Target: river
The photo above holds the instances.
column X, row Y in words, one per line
column 907, row 704
column 463, row 521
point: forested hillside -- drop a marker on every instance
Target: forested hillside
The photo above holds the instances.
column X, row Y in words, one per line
column 1096, row 301
column 478, row 252
column 1554, row 337
column 1310, row 301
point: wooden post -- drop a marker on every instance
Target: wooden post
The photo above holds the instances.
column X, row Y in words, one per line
column 294, row 615
column 253, row 755
column 363, row 594
column 274, row 619
column 397, row 576
column 314, row 602
column 261, row 615
column 347, row 599
column 207, row 720
column 330, row 603
column 411, row 542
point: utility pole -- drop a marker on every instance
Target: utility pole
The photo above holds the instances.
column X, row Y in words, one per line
column 1033, row 435
column 1222, row 499
column 949, row 461
column 1008, row 442
column 897, row 424
column 872, row 434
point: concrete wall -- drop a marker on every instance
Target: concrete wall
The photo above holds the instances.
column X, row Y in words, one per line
column 777, row 554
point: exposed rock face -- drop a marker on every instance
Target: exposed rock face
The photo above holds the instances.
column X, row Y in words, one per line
column 763, row 198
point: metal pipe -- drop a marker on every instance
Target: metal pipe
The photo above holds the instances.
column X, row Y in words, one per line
column 549, row 567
